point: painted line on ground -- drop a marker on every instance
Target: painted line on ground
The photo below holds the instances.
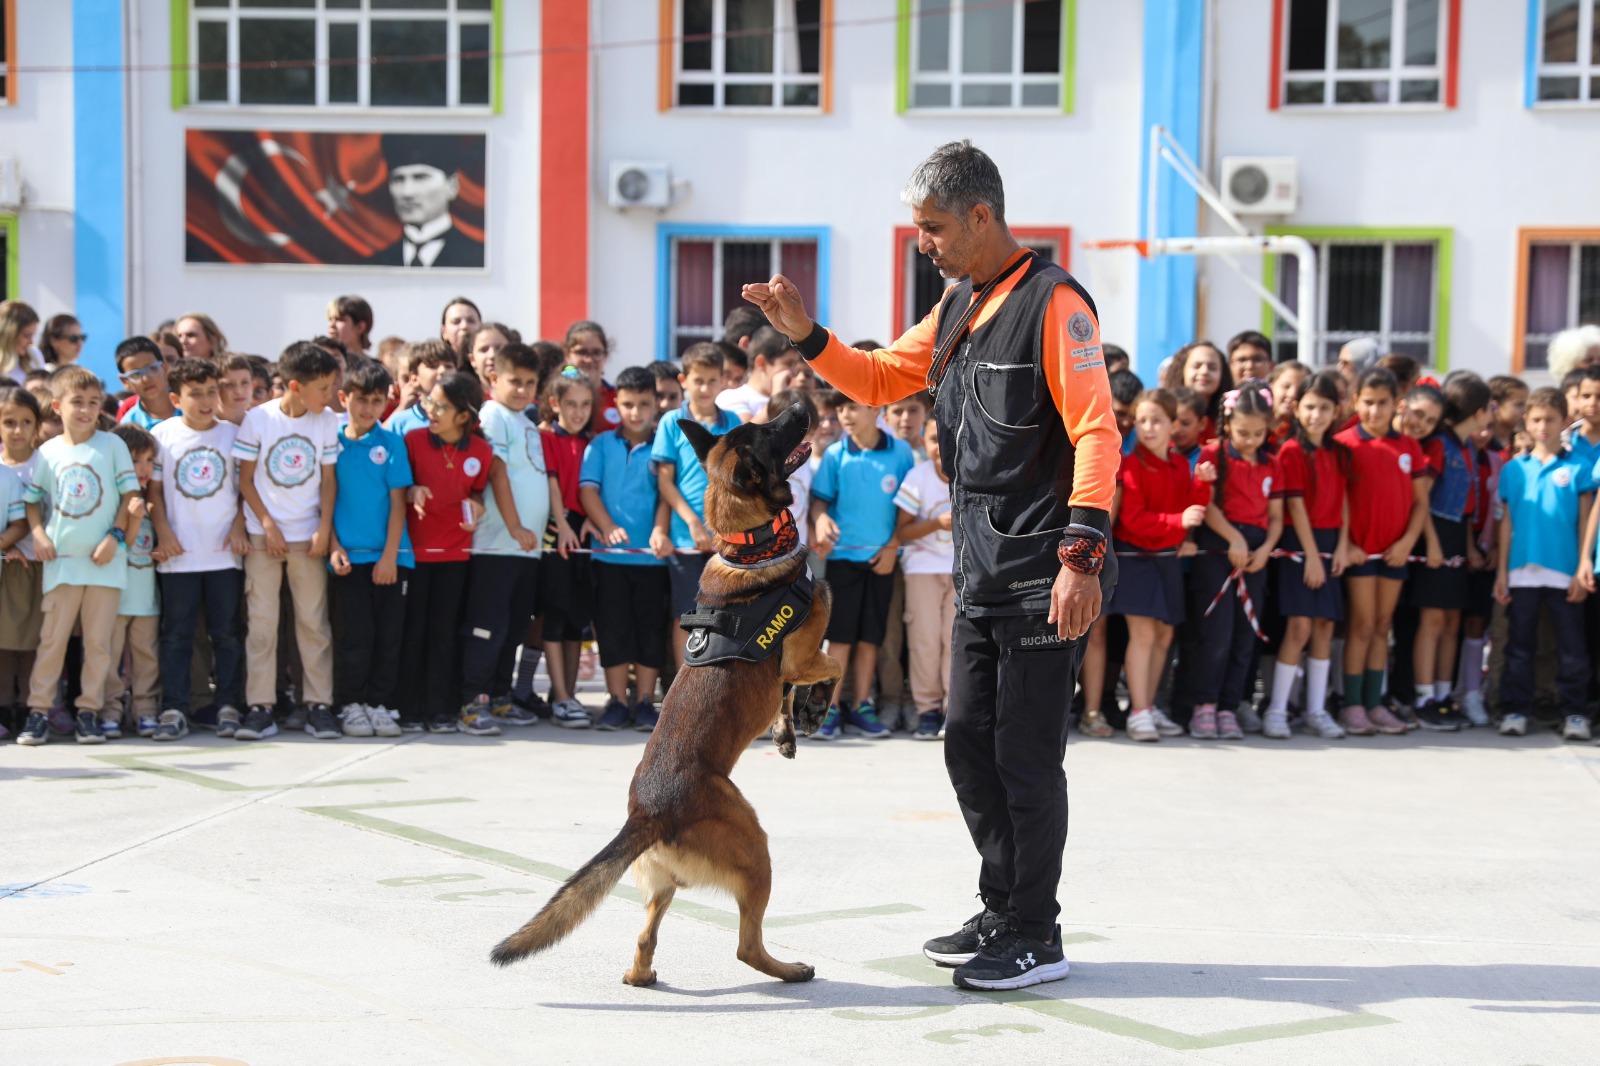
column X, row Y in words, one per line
column 140, row 762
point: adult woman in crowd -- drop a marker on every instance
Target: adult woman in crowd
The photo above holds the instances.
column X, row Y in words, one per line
column 1201, row 367
column 18, row 325
column 200, row 336
column 62, row 341
column 461, row 316
column 350, row 323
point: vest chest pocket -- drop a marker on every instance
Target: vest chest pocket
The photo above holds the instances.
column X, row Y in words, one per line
column 1007, row 394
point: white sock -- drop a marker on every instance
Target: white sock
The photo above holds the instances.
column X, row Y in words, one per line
column 1424, row 694
column 1472, row 664
column 1282, row 681
column 1335, row 655
column 1441, row 690
column 1317, row 671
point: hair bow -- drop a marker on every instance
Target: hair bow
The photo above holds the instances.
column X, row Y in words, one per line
column 570, row 371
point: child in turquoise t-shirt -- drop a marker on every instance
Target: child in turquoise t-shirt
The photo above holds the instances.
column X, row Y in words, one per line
column 138, row 628
column 86, row 477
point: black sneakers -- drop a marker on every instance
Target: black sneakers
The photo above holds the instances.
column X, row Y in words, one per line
column 1014, row 959
column 963, row 944
column 1439, row 716
column 322, row 723
column 614, row 717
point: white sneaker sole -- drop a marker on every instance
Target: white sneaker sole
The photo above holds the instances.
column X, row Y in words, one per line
column 573, row 723
column 950, row 960
column 1052, row 971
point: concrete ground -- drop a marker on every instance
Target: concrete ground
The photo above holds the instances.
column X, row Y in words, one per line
column 1390, row 900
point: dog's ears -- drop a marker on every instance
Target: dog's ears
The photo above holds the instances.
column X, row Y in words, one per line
column 700, row 438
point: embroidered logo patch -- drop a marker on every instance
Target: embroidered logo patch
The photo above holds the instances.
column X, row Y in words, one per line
column 1266, row 486
column 890, row 484
column 142, row 544
column 1079, row 328
column 1562, row 478
column 78, row 491
column 292, row 461
column 1405, row 463
column 613, row 416
column 200, row 473
column 379, row 455
column 471, row 467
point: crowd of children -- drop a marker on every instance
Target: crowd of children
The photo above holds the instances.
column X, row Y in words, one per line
column 368, row 538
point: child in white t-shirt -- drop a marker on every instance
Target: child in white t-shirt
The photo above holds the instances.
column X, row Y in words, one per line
column 800, row 480
column 928, row 560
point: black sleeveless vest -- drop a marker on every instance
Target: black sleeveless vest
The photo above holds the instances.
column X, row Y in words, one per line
column 1005, row 450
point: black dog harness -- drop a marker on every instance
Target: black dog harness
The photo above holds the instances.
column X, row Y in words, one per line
column 747, row 632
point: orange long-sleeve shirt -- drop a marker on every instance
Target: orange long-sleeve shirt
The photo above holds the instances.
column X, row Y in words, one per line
column 1083, row 399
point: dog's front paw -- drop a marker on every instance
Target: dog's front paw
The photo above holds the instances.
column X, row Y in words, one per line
column 783, row 736
column 811, row 706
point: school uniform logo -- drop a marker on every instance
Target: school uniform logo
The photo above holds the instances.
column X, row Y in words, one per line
column 1405, row 462
column 200, row 473
column 78, row 491
column 379, row 455
column 1266, row 486
column 1562, row 478
column 471, row 467
column 139, row 549
column 613, row 416
column 292, row 461
column 1079, row 328
column 890, row 484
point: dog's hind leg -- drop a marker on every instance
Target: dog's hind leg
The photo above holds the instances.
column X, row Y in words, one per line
column 657, row 886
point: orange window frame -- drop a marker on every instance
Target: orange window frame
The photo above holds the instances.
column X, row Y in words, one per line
column 668, row 35
column 1527, row 237
column 1062, row 235
column 10, row 17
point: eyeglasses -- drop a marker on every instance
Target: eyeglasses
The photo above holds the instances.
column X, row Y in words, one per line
column 143, row 372
column 75, row 338
column 441, row 406
column 589, row 353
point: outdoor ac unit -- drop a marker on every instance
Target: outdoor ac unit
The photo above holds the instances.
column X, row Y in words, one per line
column 1261, row 185
column 10, row 183
column 640, row 185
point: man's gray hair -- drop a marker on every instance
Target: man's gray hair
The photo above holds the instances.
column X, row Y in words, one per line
column 954, row 178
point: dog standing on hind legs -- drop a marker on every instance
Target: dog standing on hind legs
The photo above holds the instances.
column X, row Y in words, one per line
column 754, row 663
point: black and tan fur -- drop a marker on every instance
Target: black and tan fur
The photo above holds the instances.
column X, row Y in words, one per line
column 687, row 822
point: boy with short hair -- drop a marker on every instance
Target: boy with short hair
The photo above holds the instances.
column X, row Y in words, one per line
column 620, row 495
column 681, row 481
column 1547, row 495
column 421, row 366
column 370, row 557
column 140, row 366
column 930, row 597
column 287, row 452
column 80, row 474
column 138, row 628
column 669, row 390
column 200, row 535
column 770, row 354
column 735, row 364
column 235, row 389
column 905, row 419
column 1583, row 436
column 1125, row 389
column 1116, row 357
column 853, row 527
column 503, row 578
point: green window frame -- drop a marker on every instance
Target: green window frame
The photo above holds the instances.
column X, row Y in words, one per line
column 360, row 15
column 13, row 278
column 908, row 42
column 1386, row 239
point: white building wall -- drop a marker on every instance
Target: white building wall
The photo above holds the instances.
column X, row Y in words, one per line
column 38, row 131
column 1482, row 169
column 261, row 308
column 844, row 170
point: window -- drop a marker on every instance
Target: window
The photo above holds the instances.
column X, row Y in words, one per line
column 704, row 267
column 1566, row 41
column 736, row 54
column 963, row 54
column 1559, row 282
column 341, row 53
column 8, row 53
column 9, row 280
column 1364, row 52
column 918, row 285
column 1389, row 285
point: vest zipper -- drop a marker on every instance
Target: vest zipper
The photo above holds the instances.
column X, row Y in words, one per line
column 961, row 567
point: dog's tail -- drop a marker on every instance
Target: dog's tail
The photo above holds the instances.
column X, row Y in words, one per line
column 578, row 897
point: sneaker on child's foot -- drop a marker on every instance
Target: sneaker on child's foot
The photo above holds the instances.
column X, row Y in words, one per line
column 1142, row 726
column 86, row 727
column 929, row 723
column 1249, row 720
column 1434, row 715
column 258, row 724
column 322, row 723
column 829, row 729
column 1473, row 709
column 35, row 731
column 569, row 714
column 1094, row 724
column 355, row 720
column 1228, row 726
column 614, row 717
column 1164, row 725
column 412, row 725
column 1576, row 727
column 172, row 725
column 1514, row 725
column 1355, row 721
column 384, row 722
column 111, row 728
column 1275, row 724
column 865, row 721
column 1385, row 721
column 443, row 723
column 964, row 944
column 295, row 718
column 535, row 703
column 147, row 726
column 1319, row 722
column 645, row 717
column 227, row 721
column 506, row 712
column 1203, row 726
column 1014, row 960
column 477, row 721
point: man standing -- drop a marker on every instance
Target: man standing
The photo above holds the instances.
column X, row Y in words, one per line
column 424, row 179
column 1029, row 441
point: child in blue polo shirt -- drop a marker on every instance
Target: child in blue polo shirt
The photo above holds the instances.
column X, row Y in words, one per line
column 1547, row 496
column 619, row 494
column 370, row 557
column 682, row 480
column 853, row 526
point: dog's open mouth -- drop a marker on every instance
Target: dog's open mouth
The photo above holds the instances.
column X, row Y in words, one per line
column 797, row 458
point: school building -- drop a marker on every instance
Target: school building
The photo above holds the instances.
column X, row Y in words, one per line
column 636, row 161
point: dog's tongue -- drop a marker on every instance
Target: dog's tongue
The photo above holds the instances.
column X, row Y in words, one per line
column 797, row 458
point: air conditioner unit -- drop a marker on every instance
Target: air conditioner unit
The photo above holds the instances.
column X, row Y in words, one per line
column 640, row 185
column 10, row 182
column 1261, row 185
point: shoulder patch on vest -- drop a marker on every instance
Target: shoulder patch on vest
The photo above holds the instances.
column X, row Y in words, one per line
column 1079, row 328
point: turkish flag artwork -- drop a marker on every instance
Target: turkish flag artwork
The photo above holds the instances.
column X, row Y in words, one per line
column 335, row 199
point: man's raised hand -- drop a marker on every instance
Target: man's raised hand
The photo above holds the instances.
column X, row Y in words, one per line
column 780, row 301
